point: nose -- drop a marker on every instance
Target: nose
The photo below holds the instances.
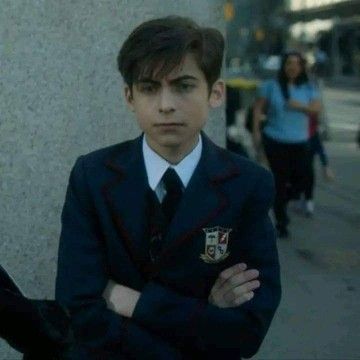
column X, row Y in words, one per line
column 166, row 102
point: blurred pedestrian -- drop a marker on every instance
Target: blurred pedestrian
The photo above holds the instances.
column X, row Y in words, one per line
column 321, row 63
column 316, row 148
column 289, row 100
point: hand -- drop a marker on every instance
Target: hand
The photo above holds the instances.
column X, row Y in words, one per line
column 234, row 286
column 120, row 299
column 296, row 105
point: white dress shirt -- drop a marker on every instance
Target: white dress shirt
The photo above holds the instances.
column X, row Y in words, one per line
column 156, row 166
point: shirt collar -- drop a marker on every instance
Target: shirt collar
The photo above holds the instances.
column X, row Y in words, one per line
column 156, row 165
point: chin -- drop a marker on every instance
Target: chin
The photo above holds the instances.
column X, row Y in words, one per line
column 171, row 143
column 169, row 138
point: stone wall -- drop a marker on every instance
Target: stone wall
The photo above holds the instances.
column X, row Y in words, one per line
column 61, row 96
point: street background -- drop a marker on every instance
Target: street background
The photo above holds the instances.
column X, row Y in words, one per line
column 319, row 315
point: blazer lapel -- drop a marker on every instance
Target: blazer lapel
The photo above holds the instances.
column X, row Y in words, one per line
column 203, row 200
column 126, row 196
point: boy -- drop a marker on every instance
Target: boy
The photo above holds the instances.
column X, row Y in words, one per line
column 166, row 249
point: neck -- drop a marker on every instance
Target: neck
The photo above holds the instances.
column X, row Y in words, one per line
column 174, row 154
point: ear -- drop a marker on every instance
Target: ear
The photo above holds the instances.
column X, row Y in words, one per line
column 129, row 98
column 217, row 94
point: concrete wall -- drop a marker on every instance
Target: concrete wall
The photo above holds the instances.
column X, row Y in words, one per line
column 60, row 96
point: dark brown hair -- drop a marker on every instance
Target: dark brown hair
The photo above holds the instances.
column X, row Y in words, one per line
column 282, row 77
column 157, row 46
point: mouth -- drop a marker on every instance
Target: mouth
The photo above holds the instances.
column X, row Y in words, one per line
column 169, row 125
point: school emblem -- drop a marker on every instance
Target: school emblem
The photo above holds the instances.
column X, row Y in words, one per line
column 216, row 243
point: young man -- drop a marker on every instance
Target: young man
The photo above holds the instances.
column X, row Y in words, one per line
column 167, row 250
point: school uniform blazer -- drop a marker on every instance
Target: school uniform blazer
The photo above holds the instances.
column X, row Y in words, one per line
column 222, row 220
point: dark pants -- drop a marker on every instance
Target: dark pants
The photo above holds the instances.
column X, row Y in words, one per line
column 290, row 166
column 316, row 148
column 310, row 179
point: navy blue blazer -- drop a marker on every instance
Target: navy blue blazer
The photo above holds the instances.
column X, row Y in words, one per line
column 222, row 220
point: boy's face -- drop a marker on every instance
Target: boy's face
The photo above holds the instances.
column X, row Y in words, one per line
column 171, row 111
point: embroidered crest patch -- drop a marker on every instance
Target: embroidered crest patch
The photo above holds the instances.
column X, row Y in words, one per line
column 216, row 244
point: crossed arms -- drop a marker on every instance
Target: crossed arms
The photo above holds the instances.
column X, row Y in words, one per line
column 160, row 316
column 233, row 287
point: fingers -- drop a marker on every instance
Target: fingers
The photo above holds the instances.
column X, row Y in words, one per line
column 226, row 274
column 236, row 296
column 233, row 277
column 239, row 292
column 234, row 286
column 241, row 299
column 239, row 279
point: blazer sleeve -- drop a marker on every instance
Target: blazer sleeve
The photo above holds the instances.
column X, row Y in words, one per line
column 237, row 331
column 82, row 277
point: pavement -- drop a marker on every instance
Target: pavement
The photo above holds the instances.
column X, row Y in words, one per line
column 319, row 314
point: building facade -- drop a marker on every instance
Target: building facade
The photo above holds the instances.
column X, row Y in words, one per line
column 334, row 27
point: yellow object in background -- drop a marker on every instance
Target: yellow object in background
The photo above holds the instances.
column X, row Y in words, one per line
column 229, row 11
column 242, row 83
column 259, row 35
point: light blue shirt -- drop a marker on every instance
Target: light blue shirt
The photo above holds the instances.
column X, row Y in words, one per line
column 284, row 124
column 156, row 166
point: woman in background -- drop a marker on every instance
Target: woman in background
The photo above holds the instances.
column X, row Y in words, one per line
column 288, row 100
column 316, row 148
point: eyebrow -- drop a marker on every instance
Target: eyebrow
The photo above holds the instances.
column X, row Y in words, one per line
column 176, row 80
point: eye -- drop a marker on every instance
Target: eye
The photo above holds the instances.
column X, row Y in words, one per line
column 184, row 87
column 147, row 88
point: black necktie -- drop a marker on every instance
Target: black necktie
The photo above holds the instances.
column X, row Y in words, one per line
column 173, row 187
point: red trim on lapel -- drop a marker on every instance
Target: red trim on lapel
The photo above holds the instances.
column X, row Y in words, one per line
column 223, row 203
column 145, row 269
column 148, row 269
column 123, row 234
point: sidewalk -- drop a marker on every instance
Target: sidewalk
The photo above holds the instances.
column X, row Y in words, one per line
column 319, row 315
